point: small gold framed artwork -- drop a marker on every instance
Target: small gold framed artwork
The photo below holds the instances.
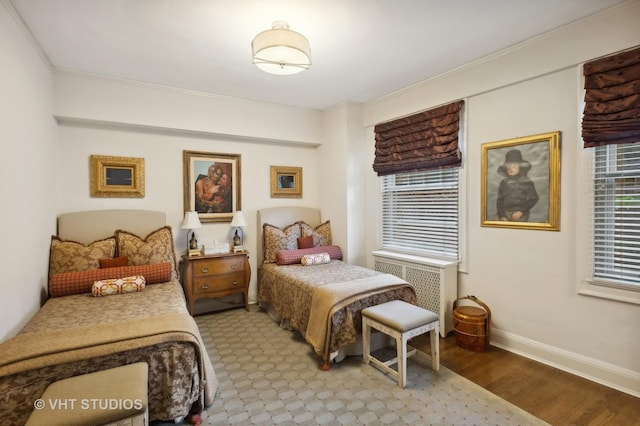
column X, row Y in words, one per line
column 286, row 182
column 117, row 177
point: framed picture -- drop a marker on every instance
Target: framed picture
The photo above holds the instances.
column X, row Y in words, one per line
column 521, row 183
column 116, row 176
column 286, row 182
column 211, row 185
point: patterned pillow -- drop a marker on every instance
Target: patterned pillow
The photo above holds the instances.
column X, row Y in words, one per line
column 315, row 259
column 321, row 234
column 290, row 257
column 113, row 262
column 68, row 283
column 276, row 239
column 70, row 256
column 118, row 286
column 157, row 247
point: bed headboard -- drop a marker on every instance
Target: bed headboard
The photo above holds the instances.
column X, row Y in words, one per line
column 88, row 226
column 283, row 216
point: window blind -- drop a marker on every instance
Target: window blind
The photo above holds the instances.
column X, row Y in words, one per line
column 616, row 215
column 420, row 212
column 612, row 99
column 421, row 141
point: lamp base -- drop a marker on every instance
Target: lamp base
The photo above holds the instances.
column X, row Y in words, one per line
column 194, row 252
column 237, row 249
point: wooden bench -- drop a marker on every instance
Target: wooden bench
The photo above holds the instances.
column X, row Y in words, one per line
column 402, row 321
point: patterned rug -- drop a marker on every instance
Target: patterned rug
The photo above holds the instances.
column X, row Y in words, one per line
column 269, row 375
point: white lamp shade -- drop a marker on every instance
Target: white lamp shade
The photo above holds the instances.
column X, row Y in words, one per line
column 191, row 221
column 238, row 220
column 281, row 51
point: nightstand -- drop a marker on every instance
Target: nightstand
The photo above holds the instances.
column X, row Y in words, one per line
column 216, row 275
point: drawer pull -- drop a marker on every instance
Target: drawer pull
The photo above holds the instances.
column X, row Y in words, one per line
column 204, row 270
column 235, row 283
column 205, row 286
column 234, row 266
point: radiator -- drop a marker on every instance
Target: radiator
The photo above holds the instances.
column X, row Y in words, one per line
column 435, row 281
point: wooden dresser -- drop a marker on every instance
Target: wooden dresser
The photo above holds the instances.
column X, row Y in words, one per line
column 216, row 275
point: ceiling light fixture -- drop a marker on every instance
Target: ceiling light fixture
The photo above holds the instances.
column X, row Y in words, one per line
column 281, row 50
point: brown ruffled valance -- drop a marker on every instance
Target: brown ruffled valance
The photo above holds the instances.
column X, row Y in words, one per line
column 421, row 141
column 612, row 100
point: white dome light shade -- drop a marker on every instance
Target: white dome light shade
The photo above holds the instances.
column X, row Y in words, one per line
column 281, row 51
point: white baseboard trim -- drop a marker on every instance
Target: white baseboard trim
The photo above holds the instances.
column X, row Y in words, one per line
column 624, row 380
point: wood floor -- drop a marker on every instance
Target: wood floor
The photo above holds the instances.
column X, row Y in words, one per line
column 557, row 397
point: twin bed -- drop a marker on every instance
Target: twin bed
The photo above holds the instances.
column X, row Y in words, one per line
column 77, row 333
column 322, row 299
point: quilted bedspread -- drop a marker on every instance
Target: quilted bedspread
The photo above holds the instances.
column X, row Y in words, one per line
column 80, row 334
column 341, row 291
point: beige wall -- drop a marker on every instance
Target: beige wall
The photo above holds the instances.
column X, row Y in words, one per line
column 93, row 122
column 529, row 278
column 27, row 176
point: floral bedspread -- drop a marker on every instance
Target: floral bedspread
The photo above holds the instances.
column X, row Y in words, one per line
column 80, row 334
column 289, row 290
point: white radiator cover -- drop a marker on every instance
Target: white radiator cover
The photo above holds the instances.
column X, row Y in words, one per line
column 435, row 281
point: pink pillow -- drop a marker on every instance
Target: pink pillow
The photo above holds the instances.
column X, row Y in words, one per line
column 68, row 283
column 290, row 257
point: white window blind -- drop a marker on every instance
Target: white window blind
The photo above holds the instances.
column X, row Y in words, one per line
column 616, row 216
column 420, row 212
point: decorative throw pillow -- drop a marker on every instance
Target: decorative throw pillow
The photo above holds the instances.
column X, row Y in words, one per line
column 276, row 239
column 305, row 242
column 113, row 262
column 157, row 247
column 71, row 256
column 321, row 234
column 118, row 286
column 68, row 283
column 315, row 259
column 290, row 257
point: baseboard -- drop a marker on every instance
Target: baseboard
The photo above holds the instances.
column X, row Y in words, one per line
column 624, row 380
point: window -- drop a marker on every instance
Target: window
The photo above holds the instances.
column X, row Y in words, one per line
column 616, row 216
column 420, row 212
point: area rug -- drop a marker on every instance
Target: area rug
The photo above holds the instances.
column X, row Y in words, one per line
column 270, row 376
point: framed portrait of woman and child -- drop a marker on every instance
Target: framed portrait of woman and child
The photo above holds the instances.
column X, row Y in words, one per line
column 211, row 185
column 521, row 183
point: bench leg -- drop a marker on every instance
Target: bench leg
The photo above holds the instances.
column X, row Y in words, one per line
column 401, row 342
column 366, row 340
column 435, row 348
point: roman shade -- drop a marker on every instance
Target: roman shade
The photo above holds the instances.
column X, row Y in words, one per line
column 612, row 99
column 422, row 141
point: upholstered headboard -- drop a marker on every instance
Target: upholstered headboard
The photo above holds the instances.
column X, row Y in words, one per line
column 283, row 216
column 88, row 226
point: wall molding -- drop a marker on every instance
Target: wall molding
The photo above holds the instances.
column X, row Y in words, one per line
column 621, row 379
column 143, row 128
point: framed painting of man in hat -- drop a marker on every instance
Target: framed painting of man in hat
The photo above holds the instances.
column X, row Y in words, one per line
column 521, row 183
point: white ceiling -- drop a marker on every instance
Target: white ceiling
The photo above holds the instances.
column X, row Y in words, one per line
column 361, row 49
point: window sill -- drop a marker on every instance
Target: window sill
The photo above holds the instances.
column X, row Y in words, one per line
column 603, row 291
column 431, row 261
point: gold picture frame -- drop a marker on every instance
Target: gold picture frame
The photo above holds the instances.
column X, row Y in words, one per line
column 115, row 177
column 211, row 185
column 286, row 182
column 526, row 196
